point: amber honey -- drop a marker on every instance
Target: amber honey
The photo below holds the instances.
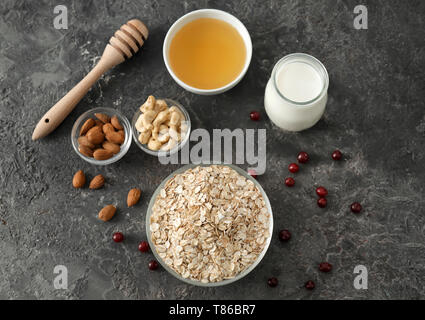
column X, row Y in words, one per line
column 207, row 53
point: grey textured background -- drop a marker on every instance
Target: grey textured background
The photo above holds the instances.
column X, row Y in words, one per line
column 375, row 115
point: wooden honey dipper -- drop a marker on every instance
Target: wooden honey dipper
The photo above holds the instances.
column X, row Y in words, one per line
column 125, row 42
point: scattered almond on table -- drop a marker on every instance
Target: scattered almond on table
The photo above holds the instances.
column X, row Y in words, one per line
column 79, row 179
column 97, row 182
column 107, row 212
column 133, row 197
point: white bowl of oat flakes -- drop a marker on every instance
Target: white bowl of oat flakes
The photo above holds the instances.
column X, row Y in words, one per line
column 209, row 225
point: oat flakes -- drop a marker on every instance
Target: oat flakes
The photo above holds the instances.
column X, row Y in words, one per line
column 209, row 223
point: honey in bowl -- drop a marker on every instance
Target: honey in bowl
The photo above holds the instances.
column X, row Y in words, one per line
column 207, row 53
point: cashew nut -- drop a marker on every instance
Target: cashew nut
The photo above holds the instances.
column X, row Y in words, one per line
column 183, row 127
column 174, row 118
column 147, row 119
column 175, row 109
column 144, row 136
column 154, row 144
column 139, row 124
column 174, row 134
column 148, row 105
column 161, row 130
column 161, row 105
column 161, row 118
column 164, row 134
column 169, row 145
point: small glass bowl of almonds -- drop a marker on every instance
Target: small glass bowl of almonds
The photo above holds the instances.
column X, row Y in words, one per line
column 101, row 136
column 161, row 127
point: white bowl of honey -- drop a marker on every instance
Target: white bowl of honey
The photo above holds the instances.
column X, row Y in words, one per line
column 207, row 51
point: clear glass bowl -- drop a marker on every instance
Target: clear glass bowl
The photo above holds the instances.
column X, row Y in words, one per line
column 199, row 283
column 145, row 148
column 75, row 133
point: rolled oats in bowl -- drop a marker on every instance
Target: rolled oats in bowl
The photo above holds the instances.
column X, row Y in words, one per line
column 210, row 224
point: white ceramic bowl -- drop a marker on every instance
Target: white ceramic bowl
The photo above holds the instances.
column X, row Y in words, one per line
column 215, row 14
column 199, row 283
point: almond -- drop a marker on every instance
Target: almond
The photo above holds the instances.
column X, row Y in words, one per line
column 79, row 179
column 116, row 123
column 86, row 151
column 114, row 148
column 83, row 141
column 90, row 123
column 133, row 197
column 116, row 137
column 97, row 147
column 97, row 182
column 102, row 154
column 107, row 127
column 103, row 117
column 107, row 213
column 98, row 123
column 95, row 135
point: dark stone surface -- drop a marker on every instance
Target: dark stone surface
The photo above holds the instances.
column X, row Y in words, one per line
column 375, row 115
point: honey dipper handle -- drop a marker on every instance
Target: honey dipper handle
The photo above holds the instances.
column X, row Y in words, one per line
column 54, row 117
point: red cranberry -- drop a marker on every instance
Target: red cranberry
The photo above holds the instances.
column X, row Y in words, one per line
column 272, row 282
column 255, row 116
column 322, row 202
column 356, row 207
column 153, row 265
column 294, row 168
column 118, row 237
column 337, row 155
column 290, row 182
column 310, row 285
column 284, row 235
column 253, row 173
column 322, row 192
column 144, row 246
column 303, row 157
column 325, row 267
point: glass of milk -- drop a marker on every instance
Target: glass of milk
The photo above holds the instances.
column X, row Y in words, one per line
column 297, row 92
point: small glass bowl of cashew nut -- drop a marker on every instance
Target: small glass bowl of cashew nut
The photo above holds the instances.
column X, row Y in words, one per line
column 161, row 127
